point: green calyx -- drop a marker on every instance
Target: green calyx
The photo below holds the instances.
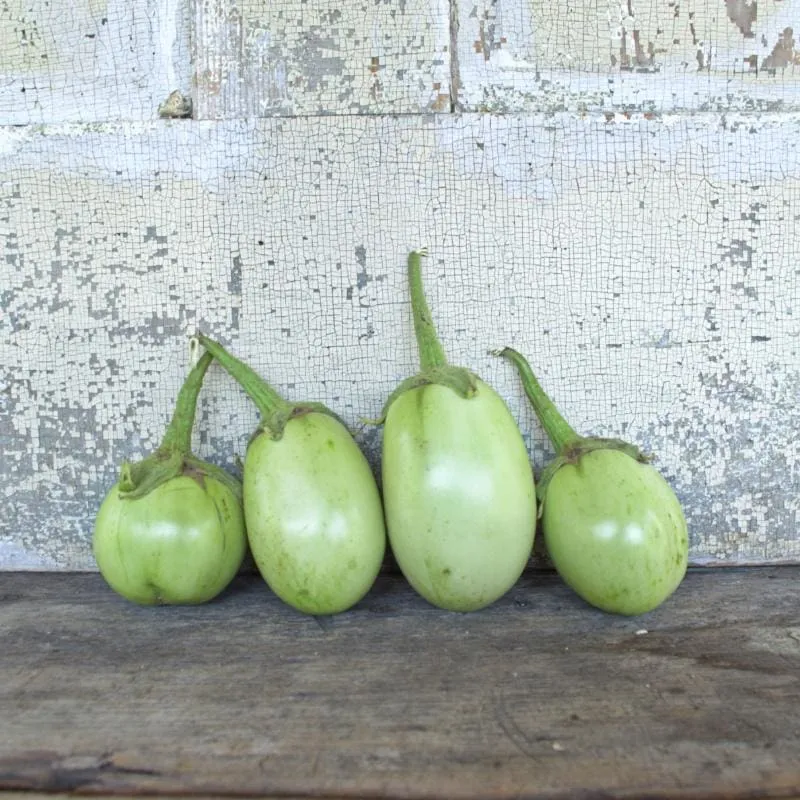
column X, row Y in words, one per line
column 174, row 457
column 570, row 446
column 139, row 478
column 463, row 382
column 575, row 451
column 136, row 479
column 435, row 369
column 275, row 411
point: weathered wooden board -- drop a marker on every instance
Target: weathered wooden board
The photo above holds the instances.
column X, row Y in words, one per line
column 537, row 696
column 649, row 268
column 91, row 60
column 257, row 58
column 628, row 55
column 29, row 795
column 160, row 796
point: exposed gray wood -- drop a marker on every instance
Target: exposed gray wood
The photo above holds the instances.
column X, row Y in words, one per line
column 91, row 60
column 649, row 269
column 536, row 696
column 652, row 56
column 257, row 58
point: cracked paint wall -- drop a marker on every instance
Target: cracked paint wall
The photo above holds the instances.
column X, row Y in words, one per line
column 629, row 55
column 260, row 58
column 91, row 60
column 649, row 269
column 631, row 227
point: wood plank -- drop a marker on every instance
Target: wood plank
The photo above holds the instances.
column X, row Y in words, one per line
column 257, row 58
column 648, row 268
column 537, row 696
column 62, row 796
column 653, row 56
column 90, row 60
column 28, row 795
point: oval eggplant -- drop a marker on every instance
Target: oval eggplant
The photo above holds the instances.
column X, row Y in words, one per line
column 612, row 525
column 458, row 487
column 171, row 530
column 313, row 512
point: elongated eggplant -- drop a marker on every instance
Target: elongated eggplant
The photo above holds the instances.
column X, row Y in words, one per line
column 457, row 482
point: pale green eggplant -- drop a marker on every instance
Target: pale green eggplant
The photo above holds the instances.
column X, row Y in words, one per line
column 458, row 487
column 171, row 530
column 313, row 512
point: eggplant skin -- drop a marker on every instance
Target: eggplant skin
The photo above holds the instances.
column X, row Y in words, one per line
column 314, row 514
column 180, row 544
column 459, row 495
column 616, row 532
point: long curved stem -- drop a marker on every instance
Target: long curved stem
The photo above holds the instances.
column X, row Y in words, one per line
column 431, row 353
column 178, row 437
column 557, row 428
column 261, row 393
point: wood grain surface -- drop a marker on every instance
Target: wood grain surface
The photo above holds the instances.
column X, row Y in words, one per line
column 537, row 696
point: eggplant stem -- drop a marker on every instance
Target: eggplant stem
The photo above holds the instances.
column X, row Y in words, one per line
column 431, row 354
column 178, row 436
column 194, row 351
column 267, row 400
column 561, row 434
column 126, row 482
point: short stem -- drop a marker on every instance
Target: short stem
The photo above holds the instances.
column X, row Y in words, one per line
column 557, row 428
column 430, row 349
column 178, row 437
column 126, row 482
column 260, row 392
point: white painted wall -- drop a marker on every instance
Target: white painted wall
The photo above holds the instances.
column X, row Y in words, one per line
column 654, row 56
column 90, row 60
column 646, row 261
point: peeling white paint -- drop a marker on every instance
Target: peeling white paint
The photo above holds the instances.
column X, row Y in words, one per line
column 261, row 59
column 14, row 556
column 11, row 139
column 517, row 56
column 169, row 17
column 91, row 61
column 647, row 267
